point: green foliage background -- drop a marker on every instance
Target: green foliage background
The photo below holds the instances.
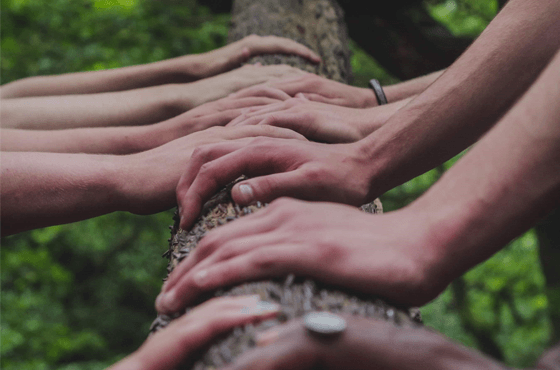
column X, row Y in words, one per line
column 80, row 296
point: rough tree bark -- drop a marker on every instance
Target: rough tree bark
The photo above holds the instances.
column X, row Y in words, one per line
column 318, row 24
column 399, row 34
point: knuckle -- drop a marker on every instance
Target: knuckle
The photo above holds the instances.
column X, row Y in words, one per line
column 330, row 253
column 201, row 152
column 316, row 174
column 205, row 169
column 263, row 261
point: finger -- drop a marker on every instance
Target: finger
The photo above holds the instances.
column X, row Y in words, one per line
column 207, row 246
column 258, row 264
column 320, row 98
column 254, row 131
column 244, row 120
column 257, row 111
column 276, row 333
column 293, row 351
column 192, row 331
column 261, row 91
column 280, row 45
column 267, row 188
column 201, row 155
column 302, row 123
column 250, row 101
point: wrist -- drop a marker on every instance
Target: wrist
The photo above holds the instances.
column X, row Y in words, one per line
column 455, row 233
column 367, row 97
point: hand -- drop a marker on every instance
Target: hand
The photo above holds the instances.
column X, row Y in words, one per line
column 304, row 170
column 217, row 87
column 365, row 344
column 175, row 344
column 390, row 255
column 215, row 113
column 322, row 90
column 316, row 121
column 232, row 55
column 148, row 179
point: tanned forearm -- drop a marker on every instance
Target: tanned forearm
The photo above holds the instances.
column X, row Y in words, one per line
column 40, row 189
column 177, row 70
column 468, row 98
column 407, row 89
column 133, row 107
column 509, row 180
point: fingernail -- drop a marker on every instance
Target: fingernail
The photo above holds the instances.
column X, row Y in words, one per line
column 261, row 308
column 246, row 192
column 166, row 301
column 200, row 277
column 266, row 338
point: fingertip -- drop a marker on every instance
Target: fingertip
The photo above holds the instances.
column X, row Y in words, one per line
column 243, row 193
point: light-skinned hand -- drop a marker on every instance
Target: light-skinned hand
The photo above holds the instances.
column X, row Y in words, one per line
column 320, row 89
column 149, row 179
column 234, row 54
column 365, row 344
column 392, row 255
column 299, row 169
column 316, row 121
column 177, row 343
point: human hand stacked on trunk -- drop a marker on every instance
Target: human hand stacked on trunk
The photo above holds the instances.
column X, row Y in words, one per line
column 184, row 337
column 365, row 344
column 319, row 121
column 44, row 189
column 319, row 89
column 233, row 55
column 394, row 255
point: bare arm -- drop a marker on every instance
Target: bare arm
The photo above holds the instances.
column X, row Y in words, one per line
column 132, row 107
column 469, row 97
column 177, row 70
column 500, row 188
column 127, row 139
column 323, row 90
column 407, row 89
column 509, row 180
column 43, row 189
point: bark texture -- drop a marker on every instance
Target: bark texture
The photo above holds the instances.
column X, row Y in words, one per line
column 319, row 25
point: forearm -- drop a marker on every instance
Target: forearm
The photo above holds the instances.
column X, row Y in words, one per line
column 133, row 107
column 406, row 89
column 97, row 140
column 468, row 98
column 509, row 180
column 176, row 70
column 43, row 189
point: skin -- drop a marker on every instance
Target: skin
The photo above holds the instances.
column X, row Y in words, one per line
column 410, row 255
column 323, row 90
column 365, row 344
column 187, row 68
column 184, row 337
column 132, row 107
column 43, row 189
column 451, row 114
column 128, row 139
column 319, row 121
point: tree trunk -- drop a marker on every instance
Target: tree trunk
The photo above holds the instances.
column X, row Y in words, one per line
column 319, row 25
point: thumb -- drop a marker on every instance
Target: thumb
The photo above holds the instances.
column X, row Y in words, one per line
column 267, row 188
column 301, row 96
